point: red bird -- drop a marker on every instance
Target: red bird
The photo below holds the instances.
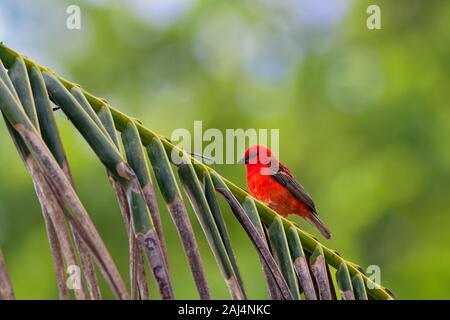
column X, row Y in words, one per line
column 278, row 188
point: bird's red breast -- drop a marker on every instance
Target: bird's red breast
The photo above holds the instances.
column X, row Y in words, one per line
column 266, row 189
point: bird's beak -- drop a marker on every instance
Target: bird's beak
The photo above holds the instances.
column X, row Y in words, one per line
column 242, row 161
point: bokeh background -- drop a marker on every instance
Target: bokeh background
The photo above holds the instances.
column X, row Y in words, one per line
column 364, row 121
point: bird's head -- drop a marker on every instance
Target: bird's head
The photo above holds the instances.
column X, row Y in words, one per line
column 257, row 156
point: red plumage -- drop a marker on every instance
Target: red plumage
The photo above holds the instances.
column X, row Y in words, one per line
column 279, row 190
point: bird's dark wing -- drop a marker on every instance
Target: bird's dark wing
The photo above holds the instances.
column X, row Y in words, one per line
column 285, row 178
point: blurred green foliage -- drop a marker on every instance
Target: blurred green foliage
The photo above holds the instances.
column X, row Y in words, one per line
column 363, row 118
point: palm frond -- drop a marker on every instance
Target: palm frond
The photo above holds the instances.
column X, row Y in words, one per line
column 344, row 283
column 177, row 209
column 293, row 261
column 358, row 287
column 250, row 209
column 280, row 247
column 301, row 265
column 6, row 288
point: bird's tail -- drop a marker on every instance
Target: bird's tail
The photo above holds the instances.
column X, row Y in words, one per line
column 314, row 219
